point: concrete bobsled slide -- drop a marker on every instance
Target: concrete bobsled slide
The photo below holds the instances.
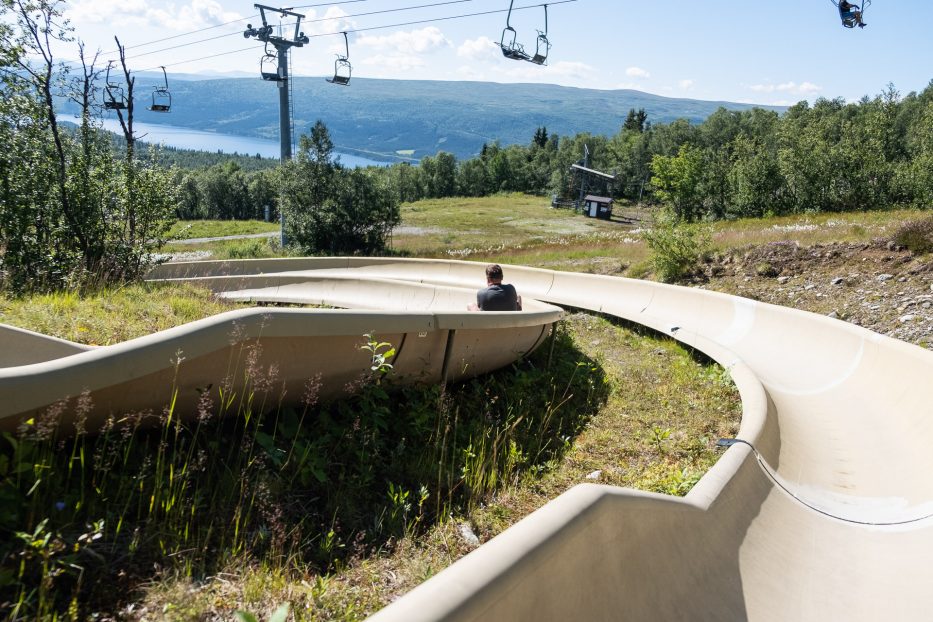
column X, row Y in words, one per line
column 275, row 351
column 821, row 512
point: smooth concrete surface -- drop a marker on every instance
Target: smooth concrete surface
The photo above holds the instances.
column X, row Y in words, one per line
column 828, row 518
column 22, row 347
column 272, row 353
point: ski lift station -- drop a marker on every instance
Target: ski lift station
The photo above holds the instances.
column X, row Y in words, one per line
column 597, row 207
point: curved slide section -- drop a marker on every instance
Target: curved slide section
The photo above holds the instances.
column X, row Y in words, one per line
column 273, row 351
column 821, row 512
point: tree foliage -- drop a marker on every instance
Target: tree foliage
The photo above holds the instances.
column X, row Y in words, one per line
column 329, row 210
column 831, row 156
column 71, row 210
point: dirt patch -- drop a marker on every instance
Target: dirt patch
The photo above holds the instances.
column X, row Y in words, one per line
column 878, row 285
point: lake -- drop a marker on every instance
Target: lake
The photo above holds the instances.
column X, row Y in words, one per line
column 186, row 138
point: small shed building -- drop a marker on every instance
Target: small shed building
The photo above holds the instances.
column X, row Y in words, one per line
column 597, row 207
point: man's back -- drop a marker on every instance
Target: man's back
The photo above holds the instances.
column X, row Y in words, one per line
column 498, row 297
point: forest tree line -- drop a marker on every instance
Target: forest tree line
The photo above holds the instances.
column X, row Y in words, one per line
column 829, row 156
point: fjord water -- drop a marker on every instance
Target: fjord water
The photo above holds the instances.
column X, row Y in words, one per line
column 187, row 138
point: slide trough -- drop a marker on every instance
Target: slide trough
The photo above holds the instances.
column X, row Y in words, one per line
column 820, row 511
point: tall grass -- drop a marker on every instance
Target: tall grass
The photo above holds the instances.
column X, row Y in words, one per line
column 89, row 517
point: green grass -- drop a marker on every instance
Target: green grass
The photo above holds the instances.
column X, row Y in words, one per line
column 250, row 248
column 523, row 229
column 243, row 484
column 464, row 227
column 189, row 229
column 810, row 229
column 653, row 425
column 112, row 315
column 655, row 431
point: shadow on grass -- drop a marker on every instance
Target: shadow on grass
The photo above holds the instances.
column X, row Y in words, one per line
column 86, row 519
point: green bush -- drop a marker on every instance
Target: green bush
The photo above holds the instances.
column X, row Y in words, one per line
column 916, row 236
column 255, row 248
column 676, row 247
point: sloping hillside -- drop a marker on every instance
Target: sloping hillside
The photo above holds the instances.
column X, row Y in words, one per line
column 385, row 116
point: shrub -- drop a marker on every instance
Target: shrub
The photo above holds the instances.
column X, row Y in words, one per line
column 916, row 236
column 256, row 248
column 676, row 247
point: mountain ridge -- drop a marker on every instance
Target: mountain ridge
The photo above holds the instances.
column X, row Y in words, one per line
column 417, row 117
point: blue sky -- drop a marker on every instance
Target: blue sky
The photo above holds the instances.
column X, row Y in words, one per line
column 777, row 53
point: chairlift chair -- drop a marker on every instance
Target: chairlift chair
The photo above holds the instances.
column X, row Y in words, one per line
column 269, row 67
column 342, row 68
column 115, row 99
column 161, row 97
column 852, row 15
column 543, row 45
column 509, row 44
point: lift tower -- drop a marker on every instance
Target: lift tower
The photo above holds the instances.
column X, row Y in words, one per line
column 279, row 72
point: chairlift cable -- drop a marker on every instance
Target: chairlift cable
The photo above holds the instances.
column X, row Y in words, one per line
column 307, row 21
column 181, row 45
column 441, row 19
column 194, row 60
column 235, row 21
column 184, row 34
column 412, row 23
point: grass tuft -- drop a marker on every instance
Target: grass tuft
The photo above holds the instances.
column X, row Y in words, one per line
column 112, row 315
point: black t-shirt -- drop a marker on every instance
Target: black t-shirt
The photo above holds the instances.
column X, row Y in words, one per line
column 499, row 297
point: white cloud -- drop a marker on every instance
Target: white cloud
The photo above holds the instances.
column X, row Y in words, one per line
column 804, row 88
column 469, row 72
column 407, row 42
column 479, row 49
column 567, row 73
column 394, row 62
column 186, row 17
column 686, row 85
column 570, row 69
column 637, row 72
column 334, row 19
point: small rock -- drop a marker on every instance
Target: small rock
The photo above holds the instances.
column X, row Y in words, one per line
column 783, row 279
column 906, row 318
column 903, row 279
column 884, row 277
column 594, row 475
column 809, row 286
column 834, row 315
column 892, row 246
column 838, row 280
column 926, row 305
column 466, row 532
column 595, row 342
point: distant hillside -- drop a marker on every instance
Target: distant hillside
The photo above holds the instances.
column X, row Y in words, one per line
column 386, row 116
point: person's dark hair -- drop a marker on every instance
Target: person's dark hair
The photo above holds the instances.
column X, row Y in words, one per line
column 494, row 272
